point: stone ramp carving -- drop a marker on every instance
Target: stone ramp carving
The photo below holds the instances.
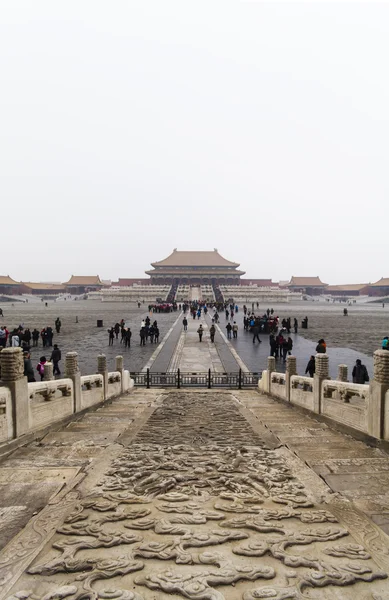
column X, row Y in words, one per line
column 197, row 506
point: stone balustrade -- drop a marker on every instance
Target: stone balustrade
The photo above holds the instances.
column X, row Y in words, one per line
column 27, row 407
column 361, row 407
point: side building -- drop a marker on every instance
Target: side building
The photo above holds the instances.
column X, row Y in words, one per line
column 80, row 284
column 312, row 286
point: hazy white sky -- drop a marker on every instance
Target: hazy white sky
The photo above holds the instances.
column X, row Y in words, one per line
column 130, row 128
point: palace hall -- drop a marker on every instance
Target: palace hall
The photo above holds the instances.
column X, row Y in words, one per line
column 195, row 268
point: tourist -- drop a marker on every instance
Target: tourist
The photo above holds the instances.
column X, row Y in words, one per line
column 15, row 339
column 304, row 323
column 273, row 345
column 142, row 335
column 49, row 333
column 321, row 347
column 311, row 367
column 28, row 369
column 1, row 312
column 127, row 338
column 200, row 331
column 279, row 342
column 143, row 324
column 156, row 334
column 360, row 374
column 55, row 358
column 117, row 329
column 111, row 335
column 151, row 334
column 40, row 366
column 35, row 337
column 256, row 333
column 229, row 329
column 3, row 338
column 212, row 331
column 58, row 325
column 290, row 345
column 27, row 336
column 185, row 323
column 295, row 325
column 235, row 330
column 385, row 343
column 285, row 346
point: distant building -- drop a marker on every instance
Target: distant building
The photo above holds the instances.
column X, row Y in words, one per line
column 358, row 289
column 312, row 286
column 79, row 284
column 9, row 286
column 195, row 268
column 42, row 289
column 380, row 288
column 259, row 282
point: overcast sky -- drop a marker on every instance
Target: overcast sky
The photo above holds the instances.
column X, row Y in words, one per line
column 131, row 128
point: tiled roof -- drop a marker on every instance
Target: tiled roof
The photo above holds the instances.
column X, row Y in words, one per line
column 383, row 282
column 7, row 280
column 43, row 286
column 351, row 287
column 84, row 280
column 189, row 258
column 306, row 281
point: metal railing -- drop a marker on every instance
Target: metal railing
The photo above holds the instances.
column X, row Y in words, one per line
column 210, row 379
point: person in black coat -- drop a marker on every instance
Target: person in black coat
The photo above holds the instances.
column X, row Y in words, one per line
column 311, row 367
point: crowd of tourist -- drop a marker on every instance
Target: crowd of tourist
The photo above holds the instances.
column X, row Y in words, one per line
column 148, row 332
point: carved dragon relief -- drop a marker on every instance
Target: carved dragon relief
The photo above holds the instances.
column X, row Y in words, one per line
column 195, row 509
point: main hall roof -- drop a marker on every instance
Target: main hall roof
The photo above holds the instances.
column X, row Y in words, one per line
column 194, row 258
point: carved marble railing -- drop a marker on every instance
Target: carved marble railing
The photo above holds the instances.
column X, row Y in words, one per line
column 50, row 401
column 278, row 385
column 301, row 391
column 6, row 421
column 361, row 407
column 26, row 407
column 346, row 403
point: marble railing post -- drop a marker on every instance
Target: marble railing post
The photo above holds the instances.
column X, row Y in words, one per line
column 321, row 373
column 73, row 373
column 119, row 367
column 342, row 373
column 12, row 375
column 102, row 369
column 48, row 374
column 377, row 424
column 271, row 367
column 291, row 369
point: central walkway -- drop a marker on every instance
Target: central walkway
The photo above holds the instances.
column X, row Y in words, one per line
column 165, row 495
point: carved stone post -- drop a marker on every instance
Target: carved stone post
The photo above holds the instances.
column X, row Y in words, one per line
column 102, row 369
column 48, row 374
column 73, row 373
column 12, row 375
column 271, row 367
column 291, row 369
column 342, row 373
column 119, row 367
column 321, row 373
column 377, row 417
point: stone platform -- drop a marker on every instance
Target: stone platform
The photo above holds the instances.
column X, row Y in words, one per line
column 206, row 495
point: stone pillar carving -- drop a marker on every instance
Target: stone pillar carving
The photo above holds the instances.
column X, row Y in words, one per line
column 102, row 369
column 119, row 367
column 291, row 369
column 378, row 409
column 321, row 373
column 271, row 367
column 342, row 373
column 12, row 375
column 48, row 374
column 73, row 373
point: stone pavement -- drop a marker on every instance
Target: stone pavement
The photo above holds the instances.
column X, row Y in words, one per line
column 190, row 494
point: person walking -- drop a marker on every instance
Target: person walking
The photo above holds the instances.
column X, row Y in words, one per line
column 58, row 325
column 284, row 349
column 212, row 331
column 290, row 345
column 156, row 334
column 235, row 330
column 311, row 367
column 296, row 325
column 229, row 330
column 55, row 358
column 49, row 333
column 200, row 331
column 273, row 345
column 111, row 335
column 360, row 374
column 3, row 338
column 185, row 323
column 142, row 335
column 256, row 334
column 127, row 338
